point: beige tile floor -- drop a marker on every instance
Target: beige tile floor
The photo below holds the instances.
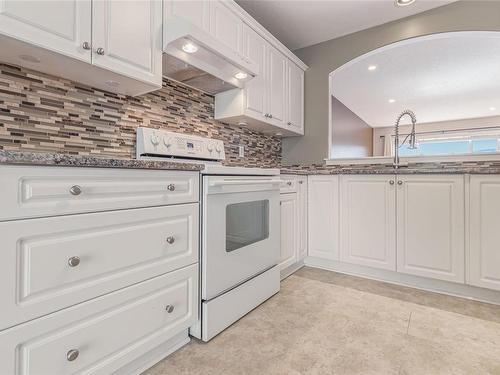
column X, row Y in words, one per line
column 323, row 322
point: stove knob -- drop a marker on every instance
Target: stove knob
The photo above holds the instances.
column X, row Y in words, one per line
column 167, row 142
column 218, row 149
column 210, row 148
column 155, row 140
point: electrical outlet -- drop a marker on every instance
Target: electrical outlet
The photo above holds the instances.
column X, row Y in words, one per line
column 241, row 151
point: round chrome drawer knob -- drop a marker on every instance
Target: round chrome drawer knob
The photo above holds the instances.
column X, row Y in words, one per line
column 171, row 187
column 169, row 308
column 74, row 261
column 86, row 45
column 100, row 51
column 400, row 182
column 289, row 183
column 72, row 355
column 170, row 240
column 391, row 182
column 75, row 190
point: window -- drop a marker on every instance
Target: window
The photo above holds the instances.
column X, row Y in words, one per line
column 452, row 146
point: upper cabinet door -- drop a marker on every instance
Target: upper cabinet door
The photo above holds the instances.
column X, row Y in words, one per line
column 60, row 26
column 368, row 221
column 431, row 226
column 295, row 96
column 255, row 90
column 226, row 26
column 484, row 245
column 196, row 12
column 127, row 38
column 277, row 86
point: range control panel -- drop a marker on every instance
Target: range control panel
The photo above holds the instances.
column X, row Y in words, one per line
column 156, row 142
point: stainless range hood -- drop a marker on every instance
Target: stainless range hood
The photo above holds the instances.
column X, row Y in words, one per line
column 210, row 66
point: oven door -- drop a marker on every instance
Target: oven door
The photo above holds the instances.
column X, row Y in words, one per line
column 240, row 231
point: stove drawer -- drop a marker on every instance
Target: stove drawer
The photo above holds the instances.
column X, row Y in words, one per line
column 51, row 263
column 102, row 335
column 28, row 192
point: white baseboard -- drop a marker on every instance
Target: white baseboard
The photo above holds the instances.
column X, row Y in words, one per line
column 431, row 285
column 291, row 269
column 154, row 356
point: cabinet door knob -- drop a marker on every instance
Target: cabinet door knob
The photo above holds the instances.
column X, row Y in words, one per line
column 171, row 187
column 301, row 182
column 100, row 51
column 169, row 308
column 86, row 45
column 170, row 239
column 289, row 183
column 289, row 123
column 400, row 182
column 74, row 261
column 391, row 182
column 75, row 190
column 72, row 355
column 270, row 116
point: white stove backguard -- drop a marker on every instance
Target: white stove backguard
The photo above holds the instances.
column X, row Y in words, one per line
column 164, row 143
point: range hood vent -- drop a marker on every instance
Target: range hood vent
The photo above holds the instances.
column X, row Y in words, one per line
column 212, row 67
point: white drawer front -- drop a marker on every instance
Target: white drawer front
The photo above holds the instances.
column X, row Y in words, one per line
column 288, row 184
column 50, row 263
column 28, row 192
column 107, row 332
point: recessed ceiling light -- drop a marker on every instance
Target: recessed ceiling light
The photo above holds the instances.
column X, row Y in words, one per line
column 492, row 108
column 29, row 58
column 392, row 100
column 241, row 75
column 372, row 67
column 189, row 47
column 403, row 3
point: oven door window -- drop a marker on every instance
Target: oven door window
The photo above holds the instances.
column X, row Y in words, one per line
column 246, row 223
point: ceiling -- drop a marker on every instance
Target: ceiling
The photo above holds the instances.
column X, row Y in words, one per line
column 441, row 77
column 301, row 23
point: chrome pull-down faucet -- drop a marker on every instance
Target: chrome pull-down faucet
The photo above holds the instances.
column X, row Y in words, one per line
column 412, row 141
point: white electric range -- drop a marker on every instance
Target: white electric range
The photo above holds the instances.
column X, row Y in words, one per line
column 240, row 227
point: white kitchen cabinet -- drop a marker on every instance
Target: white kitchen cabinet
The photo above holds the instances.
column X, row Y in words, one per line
column 226, row 26
column 255, row 91
column 60, row 26
column 293, row 194
column 368, row 221
column 484, row 225
column 110, row 45
column 193, row 11
column 323, row 216
column 295, row 97
column 126, row 38
column 431, row 226
column 289, row 227
column 276, row 67
column 101, row 336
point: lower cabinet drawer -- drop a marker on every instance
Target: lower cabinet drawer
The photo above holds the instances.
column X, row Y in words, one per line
column 102, row 335
column 51, row 263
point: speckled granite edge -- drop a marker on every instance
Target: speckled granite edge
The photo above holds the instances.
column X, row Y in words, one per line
column 481, row 167
column 65, row 160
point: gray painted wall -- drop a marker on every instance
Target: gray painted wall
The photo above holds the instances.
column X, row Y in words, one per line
column 325, row 57
column 351, row 136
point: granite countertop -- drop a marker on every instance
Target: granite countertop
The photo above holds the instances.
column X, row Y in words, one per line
column 476, row 167
column 65, row 160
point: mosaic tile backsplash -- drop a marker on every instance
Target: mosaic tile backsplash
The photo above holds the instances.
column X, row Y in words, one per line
column 39, row 112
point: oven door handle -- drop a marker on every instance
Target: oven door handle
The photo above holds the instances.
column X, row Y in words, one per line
column 244, row 182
